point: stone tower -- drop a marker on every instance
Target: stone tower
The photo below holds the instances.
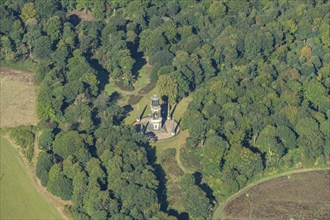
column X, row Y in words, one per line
column 155, row 119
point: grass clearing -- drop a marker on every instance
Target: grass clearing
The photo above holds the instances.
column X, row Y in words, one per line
column 144, row 77
column 167, row 159
column 190, row 159
column 181, row 107
column 139, row 107
column 17, row 98
column 304, row 195
column 19, row 198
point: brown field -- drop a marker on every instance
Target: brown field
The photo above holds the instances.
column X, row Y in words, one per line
column 303, row 195
column 17, row 98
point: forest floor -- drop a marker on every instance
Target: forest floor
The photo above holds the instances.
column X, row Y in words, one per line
column 17, row 98
column 83, row 15
column 298, row 194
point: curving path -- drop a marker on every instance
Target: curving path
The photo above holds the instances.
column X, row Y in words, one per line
column 218, row 213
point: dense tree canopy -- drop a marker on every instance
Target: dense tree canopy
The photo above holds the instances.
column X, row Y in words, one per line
column 259, row 71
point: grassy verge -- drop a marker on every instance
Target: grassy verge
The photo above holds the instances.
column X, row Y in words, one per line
column 19, row 65
column 19, row 198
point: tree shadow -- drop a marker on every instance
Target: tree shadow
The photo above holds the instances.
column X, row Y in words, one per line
column 139, row 127
column 160, row 174
column 114, row 97
column 151, row 137
column 74, row 19
column 137, row 56
column 173, row 110
column 102, row 74
column 162, row 190
column 198, row 181
column 179, row 216
column 127, row 109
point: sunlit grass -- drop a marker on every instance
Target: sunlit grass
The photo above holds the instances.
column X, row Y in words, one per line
column 19, row 198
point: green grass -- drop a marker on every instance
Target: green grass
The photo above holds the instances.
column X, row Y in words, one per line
column 20, row 65
column 144, row 78
column 19, row 198
column 182, row 107
column 138, row 108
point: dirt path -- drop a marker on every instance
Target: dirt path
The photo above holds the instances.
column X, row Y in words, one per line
column 53, row 200
column 176, row 143
column 218, row 213
column 178, row 160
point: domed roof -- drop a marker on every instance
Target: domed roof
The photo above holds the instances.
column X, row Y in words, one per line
column 155, row 97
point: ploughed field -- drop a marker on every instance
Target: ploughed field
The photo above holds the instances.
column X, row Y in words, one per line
column 17, row 98
column 19, row 198
column 303, row 195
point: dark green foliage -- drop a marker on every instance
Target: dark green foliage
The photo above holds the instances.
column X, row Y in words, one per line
column 43, row 166
column 42, row 48
column 29, row 154
column 195, row 201
column 46, row 139
column 22, row 136
column 260, row 71
column 58, row 184
column 47, row 8
column 68, row 143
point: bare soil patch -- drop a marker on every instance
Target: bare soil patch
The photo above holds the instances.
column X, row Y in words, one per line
column 297, row 196
column 17, row 98
column 83, row 15
column 147, row 89
column 134, row 99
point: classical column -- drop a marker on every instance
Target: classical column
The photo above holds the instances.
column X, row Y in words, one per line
column 168, row 110
column 173, row 129
column 138, row 117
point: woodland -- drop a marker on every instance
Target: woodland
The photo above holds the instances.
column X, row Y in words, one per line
column 258, row 73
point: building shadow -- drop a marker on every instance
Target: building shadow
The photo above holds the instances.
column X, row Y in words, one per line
column 177, row 126
column 144, row 110
column 173, row 110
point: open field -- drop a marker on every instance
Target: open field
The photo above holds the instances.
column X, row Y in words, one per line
column 17, row 98
column 304, row 195
column 19, row 198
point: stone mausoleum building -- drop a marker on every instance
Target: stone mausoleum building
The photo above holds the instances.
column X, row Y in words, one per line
column 157, row 126
column 155, row 118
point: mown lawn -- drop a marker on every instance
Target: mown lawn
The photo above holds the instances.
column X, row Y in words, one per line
column 19, row 198
column 138, row 108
